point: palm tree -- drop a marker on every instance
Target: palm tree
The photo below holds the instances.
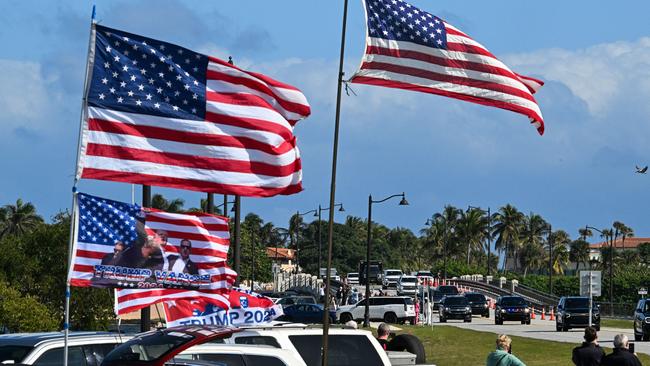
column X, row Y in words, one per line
column 161, row 203
column 579, row 252
column 585, row 233
column 531, row 256
column 448, row 218
column 626, row 232
column 471, row 228
column 560, row 255
column 18, row 219
column 509, row 222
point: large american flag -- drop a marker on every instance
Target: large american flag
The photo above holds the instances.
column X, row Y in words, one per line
column 408, row 48
column 102, row 223
column 159, row 114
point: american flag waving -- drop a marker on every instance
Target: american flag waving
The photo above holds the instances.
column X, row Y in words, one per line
column 408, row 48
column 161, row 114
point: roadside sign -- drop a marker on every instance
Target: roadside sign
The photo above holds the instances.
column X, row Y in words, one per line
column 590, row 283
column 643, row 291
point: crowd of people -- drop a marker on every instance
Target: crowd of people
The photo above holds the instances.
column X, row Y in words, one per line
column 589, row 353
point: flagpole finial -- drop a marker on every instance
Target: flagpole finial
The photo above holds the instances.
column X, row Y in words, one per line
column 92, row 17
column 230, row 60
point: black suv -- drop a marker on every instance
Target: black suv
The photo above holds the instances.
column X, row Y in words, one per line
column 573, row 312
column 642, row 320
column 511, row 308
column 478, row 303
column 448, row 290
column 454, row 307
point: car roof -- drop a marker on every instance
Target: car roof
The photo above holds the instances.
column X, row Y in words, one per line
column 512, row 297
column 452, row 296
column 32, row 339
column 408, row 276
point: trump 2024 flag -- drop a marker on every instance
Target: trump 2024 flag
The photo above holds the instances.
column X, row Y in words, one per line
column 408, row 48
column 163, row 115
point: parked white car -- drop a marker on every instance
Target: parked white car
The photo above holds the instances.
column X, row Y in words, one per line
column 391, row 276
column 407, row 285
column 390, row 309
column 241, row 354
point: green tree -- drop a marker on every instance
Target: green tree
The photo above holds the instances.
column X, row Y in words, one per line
column 644, row 252
column 471, row 228
column 560, row 254
column 509, row 224
column 18, row 219
column 24, row 313
column 161, row 203
column 531, row 254
column 579, row 252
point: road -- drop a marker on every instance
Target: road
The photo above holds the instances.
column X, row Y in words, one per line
column 543, row 329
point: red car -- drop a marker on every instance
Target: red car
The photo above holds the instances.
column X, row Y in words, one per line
column 157, row 348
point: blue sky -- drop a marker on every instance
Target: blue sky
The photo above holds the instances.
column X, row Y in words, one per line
column 595, row 61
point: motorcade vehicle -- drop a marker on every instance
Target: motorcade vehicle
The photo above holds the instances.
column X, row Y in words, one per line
column 323, row 273
column 479, row 304
column 376, row 269
column 239, row 355
column 454, row 307
column 84, row 348
column 511, row 308
column 291, row 300
column 390, row 278
column 306, row 313
column 573, row 312
column 353, row 278
column 424, row 277
column 448, row 290
column 642, row 320
column 407, row 285
column 390, row 309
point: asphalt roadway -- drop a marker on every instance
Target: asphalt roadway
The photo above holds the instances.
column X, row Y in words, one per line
column 542, row 329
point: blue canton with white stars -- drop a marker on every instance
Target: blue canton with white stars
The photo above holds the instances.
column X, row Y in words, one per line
column 400, row 21
column 146, row 76
column 103, row 221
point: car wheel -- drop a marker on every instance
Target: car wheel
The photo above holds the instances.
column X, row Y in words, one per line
column 497, row 322
column 523, row 322
column 638, row 337
column 565, row 328
column 409, row 343
column 558, row 328
column 442, row 319
column 528, row 322
column 598, row 328
column 468, row 320
column 345, row 317
column 645, row 337
column 390, row 318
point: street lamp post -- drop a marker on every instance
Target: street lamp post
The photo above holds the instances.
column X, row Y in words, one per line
column 298, row 214
column 489, row 236
column 611, row 261
column 402, row 202
column 320, row 245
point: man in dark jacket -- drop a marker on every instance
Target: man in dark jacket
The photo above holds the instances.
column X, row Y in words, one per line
column 621, row 355
column 589, row 353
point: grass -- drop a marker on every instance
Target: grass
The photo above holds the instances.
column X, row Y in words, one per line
column 451, row 346
column 616, row 323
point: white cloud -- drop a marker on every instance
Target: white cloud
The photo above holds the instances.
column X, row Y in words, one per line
column 24, row 95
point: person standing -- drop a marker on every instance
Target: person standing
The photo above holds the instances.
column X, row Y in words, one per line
column 589, row 353
column 417, row 312
column 383, row 331
column 502, row 356
column 621, row 355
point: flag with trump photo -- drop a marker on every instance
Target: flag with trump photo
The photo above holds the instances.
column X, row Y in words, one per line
column 240, row 308
column 123, row 245
column 408, row 48
column 160, row 114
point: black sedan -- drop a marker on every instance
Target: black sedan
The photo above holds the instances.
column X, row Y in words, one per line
column 478, row 303
column 454, row 307
column 511, row 308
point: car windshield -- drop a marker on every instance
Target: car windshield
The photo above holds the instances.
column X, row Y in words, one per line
column 353, row 275
column 148, row 347
column 437, row 293
column 456, row 301
column 13, row 353
column 475, row 297
column 393, row 273
column 577, row 303
column 448, row 289
column 428, row 274
column 408, row 279
column 513, row 301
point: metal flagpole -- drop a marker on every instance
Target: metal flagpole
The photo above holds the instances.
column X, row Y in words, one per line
column 145, row 313
column 89, row 64
column 330, row 224
column 237, row 251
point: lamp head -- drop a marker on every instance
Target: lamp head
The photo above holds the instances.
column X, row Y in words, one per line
column 341, row 209
column 315, row 213
column 403, row 201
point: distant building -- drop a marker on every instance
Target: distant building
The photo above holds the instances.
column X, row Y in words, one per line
column 629, row 244
column 282, row 257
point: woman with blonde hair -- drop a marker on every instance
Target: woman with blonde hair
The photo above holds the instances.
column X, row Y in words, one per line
column 503, row 356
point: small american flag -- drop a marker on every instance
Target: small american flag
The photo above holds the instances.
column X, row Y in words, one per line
column 160, row 114
column 125, row 246
column 408, row 48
